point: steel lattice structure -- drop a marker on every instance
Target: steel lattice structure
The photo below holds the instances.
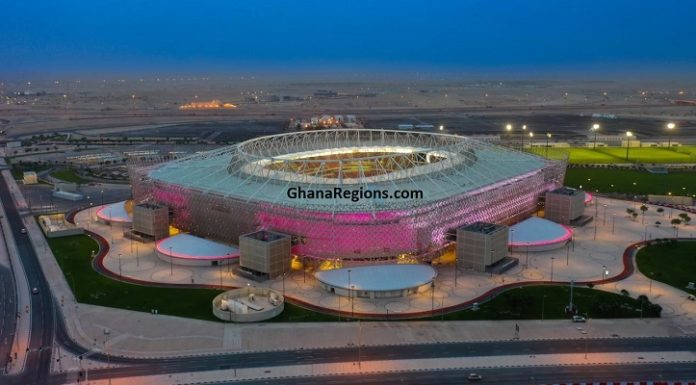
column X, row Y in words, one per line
column 238, row 189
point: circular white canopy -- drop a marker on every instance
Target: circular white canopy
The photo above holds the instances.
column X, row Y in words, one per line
column 378, row 277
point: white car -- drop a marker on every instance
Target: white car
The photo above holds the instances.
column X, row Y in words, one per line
column 578, row 318
column 474, row 377
column 35, row 291
column 23, row 230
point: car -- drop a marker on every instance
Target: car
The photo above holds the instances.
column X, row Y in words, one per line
column 579, row 318
column 474, row 377
column 35, row 291
column 23, row 230
column 691, row 297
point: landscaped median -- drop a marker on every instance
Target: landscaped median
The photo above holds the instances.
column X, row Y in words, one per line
column 537, row 301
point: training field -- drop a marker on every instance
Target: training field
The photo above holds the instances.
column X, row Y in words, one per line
column 631, row 181
column 610, row 155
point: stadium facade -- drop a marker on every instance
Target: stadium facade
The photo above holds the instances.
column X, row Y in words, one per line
column 369, row 194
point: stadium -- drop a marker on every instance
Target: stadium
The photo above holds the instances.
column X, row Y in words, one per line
column 367, row 195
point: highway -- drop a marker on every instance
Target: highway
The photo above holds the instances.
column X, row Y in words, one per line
column 45, row 324
column 8, row 311
column 38, row 363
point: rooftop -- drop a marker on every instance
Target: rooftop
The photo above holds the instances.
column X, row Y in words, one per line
column 378, row 277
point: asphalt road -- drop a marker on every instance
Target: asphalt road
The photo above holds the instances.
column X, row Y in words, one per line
column 38, row 362
column 8, row 310
column 500, row 376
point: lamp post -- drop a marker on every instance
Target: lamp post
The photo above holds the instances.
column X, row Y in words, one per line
column 171, row 262
column 595, row 128
column 613, row 221
column 524, row 129
column 432, row 299
column 531, row 136
column 552, row 259
column 605, row 272
column 670, row 128
column 120, row 275
column 548, row 136
column 629, row 134
column 604, row 218
column 350, row 294
column 508, row 129
column 352, row 302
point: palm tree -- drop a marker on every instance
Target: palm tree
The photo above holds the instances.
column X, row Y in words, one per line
column 643, row 209
column 660, row 210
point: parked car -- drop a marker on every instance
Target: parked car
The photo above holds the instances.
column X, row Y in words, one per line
column 579, row 318
column 35, row 291
column 23, row 230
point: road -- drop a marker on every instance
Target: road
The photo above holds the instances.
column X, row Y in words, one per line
column 498, row 376
column 38, row 363
column 8, row 310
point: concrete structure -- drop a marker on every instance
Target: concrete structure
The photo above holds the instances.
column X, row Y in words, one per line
column 671, row 199
column 377, row 281
column 55, row 226
column 538, row 234
column 249, row 304
column 480, row 245
column 565, row 204
column 265, row 254
column 119, row 212
column 151, row 220
column 30, row 177
column 189, row 250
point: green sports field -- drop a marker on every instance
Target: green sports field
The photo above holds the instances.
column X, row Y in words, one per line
column 613, row 155
column 612, row 180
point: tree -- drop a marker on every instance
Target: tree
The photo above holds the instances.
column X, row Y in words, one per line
column 634, row 215
column 661, row 211
column 676, row 222
column 643, row 209
column 630, row 211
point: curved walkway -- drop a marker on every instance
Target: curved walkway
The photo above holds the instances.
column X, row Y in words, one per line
column 628, row 262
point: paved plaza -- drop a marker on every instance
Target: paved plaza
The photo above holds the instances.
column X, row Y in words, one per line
column 596, row 253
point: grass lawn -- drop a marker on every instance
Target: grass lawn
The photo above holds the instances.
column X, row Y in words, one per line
column 69, row 175
column 631, row 181
column 673, row 263
column 528, row 303
column 74, row 253
column 19, row 169
column 685, row 154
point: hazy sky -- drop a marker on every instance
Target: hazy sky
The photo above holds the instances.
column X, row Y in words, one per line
column 486, row 36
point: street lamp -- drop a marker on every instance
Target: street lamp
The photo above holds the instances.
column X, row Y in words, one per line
column 595, row 128
column 352, row 302
column 524, row 128
column 605, row 272
column 670, row 128
column 120, row 275
column 171, row 262
column 508, row 128
column 552, row 259
column 629, row 134
column 548, row 136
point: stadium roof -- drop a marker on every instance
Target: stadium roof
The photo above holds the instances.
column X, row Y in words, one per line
column 264, row 169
